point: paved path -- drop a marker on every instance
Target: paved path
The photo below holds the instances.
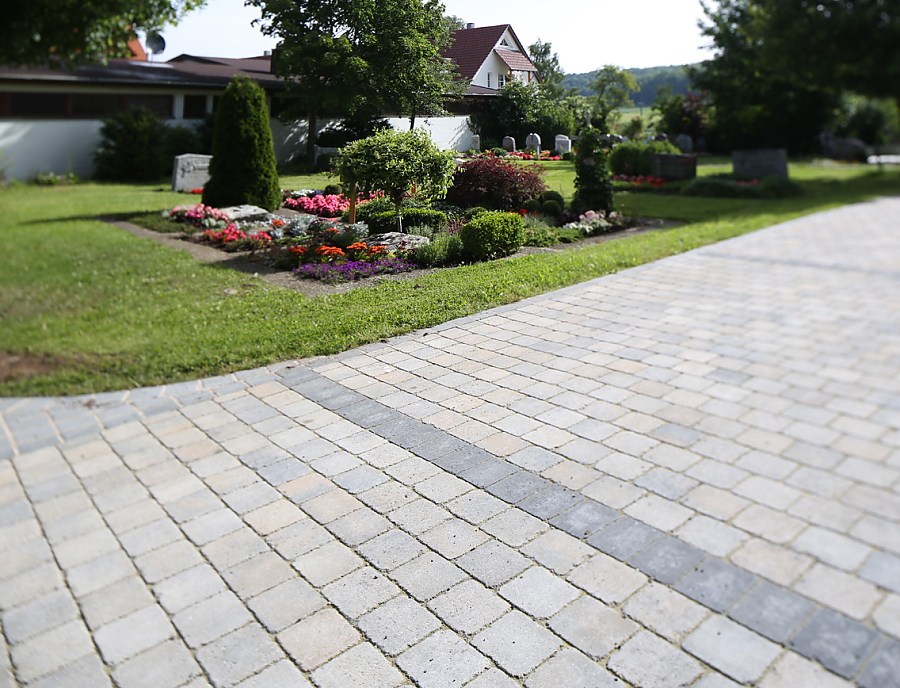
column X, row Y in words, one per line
column 686, row 474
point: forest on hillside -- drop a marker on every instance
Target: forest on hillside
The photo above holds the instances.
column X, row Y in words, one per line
column 649, row 79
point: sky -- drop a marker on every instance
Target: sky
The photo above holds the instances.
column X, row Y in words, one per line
column 586, row 36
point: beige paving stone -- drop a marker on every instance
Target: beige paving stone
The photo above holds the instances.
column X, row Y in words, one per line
column 607, row 579
column 712, row 536
column 514, row 527
column 665, row 612
column 840, row 591
column 538, row 592
column 832, row 548
column 468, row 607
column 317, row 638
column 769, row 492
column 327, row 563
column 659, row 512
column 778, row 564
column 792, row 671
column 592, row 627
column 732, row 649
column 826, row 513
column 715, row 502
column 769, row 524
column 614, row 493
column 558, row 551
column 650, row 662
column 887, row 615
column 273, row 516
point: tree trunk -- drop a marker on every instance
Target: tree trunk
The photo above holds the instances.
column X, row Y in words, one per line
column 412, row 121
column 312, row 127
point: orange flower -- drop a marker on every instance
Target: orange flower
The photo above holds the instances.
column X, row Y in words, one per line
column 358, row 246
column 329, row 251
column 332, row 230
column 297, row 250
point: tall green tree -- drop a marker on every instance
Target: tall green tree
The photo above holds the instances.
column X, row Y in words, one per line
column 38, row 32
column 613, row 86
column 517, row 111
column 547, row 63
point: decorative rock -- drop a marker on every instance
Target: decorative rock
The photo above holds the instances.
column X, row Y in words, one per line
column 563, row 144
column 765, row 162
column 246, row 213
column 533, row 142
column 190, row 171
column 394, row 241
column 509, row 143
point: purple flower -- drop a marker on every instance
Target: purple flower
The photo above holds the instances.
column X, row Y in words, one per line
column 353, row 270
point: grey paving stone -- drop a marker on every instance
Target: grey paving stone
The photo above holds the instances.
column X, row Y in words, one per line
column 667, row 559
column 240, row 654
column 368, row 414
column 283, row 471
column 883, row 669
column 87, row 671
column 318, row 638
column 398, row 624
column 592, row 627
column 38, row 616
column 732, row 649
column 256, row 575
column 282, row 674
column 188, row 587
column 211, row 618
column 650, row 662
column 406, row 432
column 166, row 561
column 446, row 451
column 50, row 651
column 360, row 479
column 98, row 573
column 883, row 569
column 550, row 502
column 360, row 591
column 715, row 584
column 836, row 642
column 624, row 538
column 390, row 550
column 584, row 519
column 488, row 472
column 286, row 604
column 516, row 643
column 468, row 607
column 234, row 548
column 572, row 669
column 427, row 575
column 359, row 526
column 772, row 611
column 359, row 667
column 132, row 634
column 443, row 660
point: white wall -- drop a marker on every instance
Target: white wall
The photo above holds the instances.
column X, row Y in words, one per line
column 32, row 147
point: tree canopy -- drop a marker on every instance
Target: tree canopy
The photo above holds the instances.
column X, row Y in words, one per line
column 341, row 56
column 38, row 32
column 547, row 63
column 613, row 86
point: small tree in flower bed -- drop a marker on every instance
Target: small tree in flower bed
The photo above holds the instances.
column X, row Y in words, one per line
column 495, row 183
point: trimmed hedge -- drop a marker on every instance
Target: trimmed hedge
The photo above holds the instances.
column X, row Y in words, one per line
column 243, row 166
column 726, row 186
column 386, row 220
column 493, row 235
column 632, row 158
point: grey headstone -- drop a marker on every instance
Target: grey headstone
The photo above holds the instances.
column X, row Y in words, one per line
column 324, row 151
column 190, row 171
column 476, row 143
column 533, row 142
column 673, row 167
column 685, row 143
column 764, row 162
column 563, row 144
column 509, row 143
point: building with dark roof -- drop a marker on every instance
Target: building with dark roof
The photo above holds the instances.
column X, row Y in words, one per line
column 490, row 56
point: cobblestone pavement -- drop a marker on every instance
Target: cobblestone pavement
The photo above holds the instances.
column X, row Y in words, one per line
column 686, row 474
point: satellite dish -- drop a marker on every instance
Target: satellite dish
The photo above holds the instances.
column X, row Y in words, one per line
column 155, row 44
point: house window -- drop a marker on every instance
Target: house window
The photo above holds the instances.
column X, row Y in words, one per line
column 501, row 81
column 158, row 105
column 94, row 105
column 37, row 105
column 489, row 80
column 194, row 107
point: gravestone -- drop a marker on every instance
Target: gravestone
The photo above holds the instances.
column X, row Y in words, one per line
column 476, row 143
column 190, row 171
column 509, row 143
column 685, row 143
column 533, row 142
column 563, row 144
column 327, row 150
column 673, row 168
column 764, row 162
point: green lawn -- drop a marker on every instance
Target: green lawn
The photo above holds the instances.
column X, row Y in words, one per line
column 102, row 309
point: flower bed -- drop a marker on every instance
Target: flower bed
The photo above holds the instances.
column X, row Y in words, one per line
column 318, row 203
column 233, row 239
column 623, row 182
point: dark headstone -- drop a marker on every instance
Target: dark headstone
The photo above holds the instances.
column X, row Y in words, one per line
column 673, row 167
column 764, row 162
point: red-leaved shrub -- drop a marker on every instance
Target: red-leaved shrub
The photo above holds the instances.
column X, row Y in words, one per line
column 495, row 183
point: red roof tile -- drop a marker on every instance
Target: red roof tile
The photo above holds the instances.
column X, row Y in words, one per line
column 471, row 48
column 516, row 61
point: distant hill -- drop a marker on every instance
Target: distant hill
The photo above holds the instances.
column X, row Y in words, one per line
column 649, row 79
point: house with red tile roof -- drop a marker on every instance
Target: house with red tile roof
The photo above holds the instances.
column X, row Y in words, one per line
column 489, row 57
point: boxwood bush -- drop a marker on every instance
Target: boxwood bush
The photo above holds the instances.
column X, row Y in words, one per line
column 493, row 235
column 386, row 220
column 632, row 158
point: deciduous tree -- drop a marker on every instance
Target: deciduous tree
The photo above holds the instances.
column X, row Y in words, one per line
column 613, row 86
column 547, row 63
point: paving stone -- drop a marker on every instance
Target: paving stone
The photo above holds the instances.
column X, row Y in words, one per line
column 273, row 516
column 839, row 590
column 792, row 670
column 453, row 538
column 167, row 665
column 667, row 560
column 493, row 563
column 390, row 550
column 558, row 551
column 188, row 587
column 624, row 538
column 715, row 584
column 443, row 660
column 211, row 618
column 427, row 575
column 838, row 643
column 100, row 572
column 584, row 518
column 234, row 548
column 571, row 669
column 238, row 655
column 514, row 527
column 299, row 538
column 492, row 678
column 87, row 671
column 132, row 634
column 664, row 611
column 650, row 662
column 282, row 674
column 517, row 486
column 468, row 607
column 359, row 526
column 50, row 651
column 774, row 562
column 883, row 569
column 38, row 616
column 488, row 472
column 360, row 591
column 772, row 612
column 318, row 638
column 517, row 643
column 592, row 627
column 550, row 502
column 607, row 579
column 732, row 649
column 538, row 592
column 418, row 516
column 883, row 669
column 359, row 667
column 398, row 624
column 327, row 563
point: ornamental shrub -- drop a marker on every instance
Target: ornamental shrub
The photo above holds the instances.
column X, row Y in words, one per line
column 493, row 235
column 444, row 249
column 551, row 195
column 593, row 187
column 532, row 205
column 243, row 166
column 632, row 158
column 386, row 221
column 495, row 183
column 726, row 186
column 551, row 208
